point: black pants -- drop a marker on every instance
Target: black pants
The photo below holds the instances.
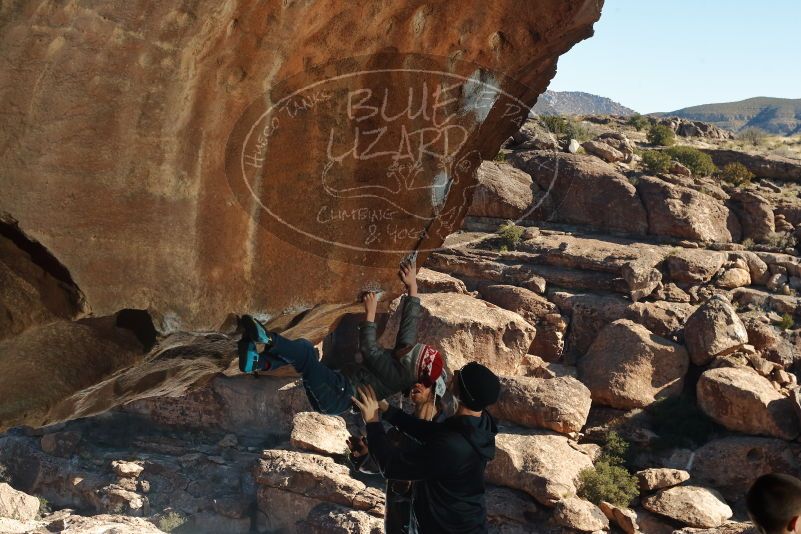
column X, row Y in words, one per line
column 398, row 510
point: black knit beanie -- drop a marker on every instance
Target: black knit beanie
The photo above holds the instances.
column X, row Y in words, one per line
column 478, row 386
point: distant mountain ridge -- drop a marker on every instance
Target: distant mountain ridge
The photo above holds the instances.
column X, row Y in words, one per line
column 780, row 116
column 578, row 103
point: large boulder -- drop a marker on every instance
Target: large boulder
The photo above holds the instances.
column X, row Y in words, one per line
column 467, row 329
column 323, row 434
column 430, row 281
column 624, row 518
column 161, row 192
column 16, row 504
column 763, row 166
column 677, row 211
column 769, row 341
column 572, row 184
column 663, row 318
column 292, row 484
column 512, row 511
column 91, row 348
column 693, row 266
column 540, row 312
column 502, row 192
column 714, row 329
column 642, row 278
column 237, row 404
column 333, row 519
column 753, row 457
column 604, row 151
column 541, row 463
column 757, row 268
column 561, row 404
column 756, row 215
column 589, row 314
column 656, row 478
column 741, row 399
column 729, row 527
column 692, row 505
column 629, row 367
column 734, row 278
column 579, row 514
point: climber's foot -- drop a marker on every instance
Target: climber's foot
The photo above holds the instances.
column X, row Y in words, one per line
column 254, row 330
column 248, row 356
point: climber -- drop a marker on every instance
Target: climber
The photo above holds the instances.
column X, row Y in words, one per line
column 397, row 511
column 448, row 466
column 388, row 371
column 774, row 504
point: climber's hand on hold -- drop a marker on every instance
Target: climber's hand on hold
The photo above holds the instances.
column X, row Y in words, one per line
column 370, row 305
column 408, row 275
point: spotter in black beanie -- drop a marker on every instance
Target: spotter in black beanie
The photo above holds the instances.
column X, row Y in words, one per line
column 478, row 386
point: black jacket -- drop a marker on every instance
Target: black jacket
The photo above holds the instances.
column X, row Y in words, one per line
column 449, row 467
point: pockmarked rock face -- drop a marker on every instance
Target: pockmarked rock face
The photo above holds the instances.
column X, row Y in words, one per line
column 299, row 482
column 753, row 456
column 222, row 138
column 541, row 463
column 629, row 367
column 692, row 505
column 216, row 159
column 741, row 399
column 714, row 329
column 561, row 404
column 466, row 329
column 319, row 433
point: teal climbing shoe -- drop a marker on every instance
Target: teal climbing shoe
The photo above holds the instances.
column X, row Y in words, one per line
column 248, row 356
column 255, row 330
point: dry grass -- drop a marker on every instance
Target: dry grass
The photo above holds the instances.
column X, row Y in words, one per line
column 775, row 145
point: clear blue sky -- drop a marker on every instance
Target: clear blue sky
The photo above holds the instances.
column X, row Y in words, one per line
column 663, row 56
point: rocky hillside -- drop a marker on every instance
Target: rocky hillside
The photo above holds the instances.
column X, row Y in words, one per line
column 578, row 103
column 639, row 301
column 646, row 326
column 781, row 116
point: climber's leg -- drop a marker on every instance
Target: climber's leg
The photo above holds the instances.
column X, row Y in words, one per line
column 329, row 391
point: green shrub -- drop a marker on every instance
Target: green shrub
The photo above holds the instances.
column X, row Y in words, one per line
column 781, row 240
column 566, row 127
column 656, row 161
column 607, row 482
column 736, row 174
column 44, row 507
column 639, row 122
column 752, row 136
column 787, row 322
column 171, row 521
column 615, row 449
column 555, row 123
column 510, row 235
column 661, row 135
column 500, row 156
column 576, row 130
column 698, row 162
column 680, row 423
